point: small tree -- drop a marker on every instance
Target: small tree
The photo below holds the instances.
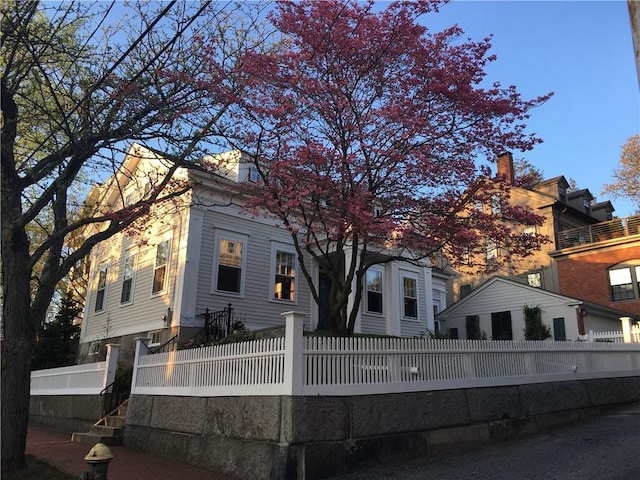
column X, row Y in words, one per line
column 57, row 343
column 627, row 174
column 365, row 129
column 535, row 329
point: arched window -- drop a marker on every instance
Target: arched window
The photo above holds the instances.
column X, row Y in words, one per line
column 623, row 280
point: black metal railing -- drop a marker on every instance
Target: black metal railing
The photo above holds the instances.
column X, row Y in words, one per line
column 114, row 394
column 599, row 232
column 165, row 347
column 218, row 325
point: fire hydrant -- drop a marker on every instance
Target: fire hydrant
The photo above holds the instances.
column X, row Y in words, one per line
column 97, row 460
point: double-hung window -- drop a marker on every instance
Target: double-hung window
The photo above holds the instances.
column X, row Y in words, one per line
column 491, row 250
column 621, row 284
column 230, row 259
column 374, row 291
column 101, row 291
column 160, row 266
column 284, row 286
column 410, row 296
column 126, row 296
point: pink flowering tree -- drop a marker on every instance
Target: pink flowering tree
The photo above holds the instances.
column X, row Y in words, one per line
column 366, row 129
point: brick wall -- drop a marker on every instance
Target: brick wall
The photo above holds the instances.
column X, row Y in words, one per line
column 584, row 276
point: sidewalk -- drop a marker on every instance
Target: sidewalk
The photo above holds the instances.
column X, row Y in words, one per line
column 56, row 449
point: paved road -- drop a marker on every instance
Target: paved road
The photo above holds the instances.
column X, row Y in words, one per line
column 606, row 447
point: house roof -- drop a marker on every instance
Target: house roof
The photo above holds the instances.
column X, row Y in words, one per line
column 449, row 311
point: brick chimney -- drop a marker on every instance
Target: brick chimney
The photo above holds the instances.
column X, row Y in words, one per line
column 505, row 166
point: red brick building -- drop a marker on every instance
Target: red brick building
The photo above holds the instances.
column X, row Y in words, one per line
column 603, row 265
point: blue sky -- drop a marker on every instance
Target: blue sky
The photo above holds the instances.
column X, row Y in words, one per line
column 583, row 52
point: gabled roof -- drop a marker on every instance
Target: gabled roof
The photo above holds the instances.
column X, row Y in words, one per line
column 569, row 301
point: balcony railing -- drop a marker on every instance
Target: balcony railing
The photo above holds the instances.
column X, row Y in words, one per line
column 599, row 232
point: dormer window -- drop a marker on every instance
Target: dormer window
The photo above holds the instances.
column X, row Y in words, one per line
column 563, row 194
column 586, row 204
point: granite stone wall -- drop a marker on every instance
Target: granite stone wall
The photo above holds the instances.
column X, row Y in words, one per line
column 273, row 438
column 68, row 413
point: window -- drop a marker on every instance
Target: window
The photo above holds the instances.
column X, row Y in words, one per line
column 155, row 338
column 530, row 230
column 465, row 290
column 473, row 327
column 465, row 257
column 94, row 348
column 230, row 256
column 559, row 332
column 254, row 174
column 410, row 294
column 101, row 291
column 501, row 326
column 453, row 333
column 374, row 291
column 285, row 276
column 496, row 206
column 127, row 280
column 160, row 266
column 491, row 250
column 621, row 284
column 534, row 280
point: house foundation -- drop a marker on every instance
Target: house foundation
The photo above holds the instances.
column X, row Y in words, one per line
column 311, row 437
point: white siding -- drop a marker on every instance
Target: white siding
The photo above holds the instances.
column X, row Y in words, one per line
column 255, row 307
column 145, row 312
column 501, row 297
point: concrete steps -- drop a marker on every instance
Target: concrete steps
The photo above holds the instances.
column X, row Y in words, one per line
column 107, row 430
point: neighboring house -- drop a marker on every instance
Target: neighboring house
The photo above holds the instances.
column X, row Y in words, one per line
column 203, row 252
column 576, row 227
column 601, row 263
column 495, row 310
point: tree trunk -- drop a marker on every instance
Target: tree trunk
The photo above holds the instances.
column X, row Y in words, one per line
column 17, row 346
column 19, row 335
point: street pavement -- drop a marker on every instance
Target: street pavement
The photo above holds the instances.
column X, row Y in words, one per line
column 606, row 447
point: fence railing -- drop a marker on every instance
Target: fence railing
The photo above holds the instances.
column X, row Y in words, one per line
column 599, row 232
column 616, row 336
column 298, row 365
column 86, row 379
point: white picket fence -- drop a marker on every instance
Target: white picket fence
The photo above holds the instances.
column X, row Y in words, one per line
column 86, row 379
column 297, row 365
column 616, row 336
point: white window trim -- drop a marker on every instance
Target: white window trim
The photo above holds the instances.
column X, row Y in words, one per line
column 380, row 270
column 106, row 268
column 413, row 276
column 287, row 248
column 236, row 237
column 94, row 347
column 165, row 286
column 133, row 278
column 150, row 337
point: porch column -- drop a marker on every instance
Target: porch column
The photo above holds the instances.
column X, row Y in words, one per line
column 626, row 329
column 141, row 350
column 293, row 349
column 357, row 327
column 111, row 364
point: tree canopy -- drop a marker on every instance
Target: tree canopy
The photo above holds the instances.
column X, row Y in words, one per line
column 80, row 82
column 366, row 129
column 626, row 176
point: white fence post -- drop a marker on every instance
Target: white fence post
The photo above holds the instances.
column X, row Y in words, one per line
column 111, row 364
column 626, row 329
column 293, row 358
column 141, row 350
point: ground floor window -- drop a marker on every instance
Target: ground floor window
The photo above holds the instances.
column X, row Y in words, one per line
column 501, row 328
